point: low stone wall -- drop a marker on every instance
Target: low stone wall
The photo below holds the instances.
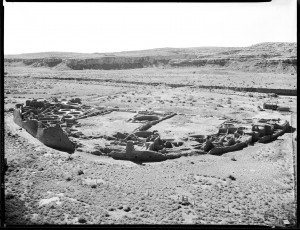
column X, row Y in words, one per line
column 143, row 134
column 54, row 137
column 222, row 150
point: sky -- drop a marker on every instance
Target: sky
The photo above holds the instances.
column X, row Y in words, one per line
column 114, row 27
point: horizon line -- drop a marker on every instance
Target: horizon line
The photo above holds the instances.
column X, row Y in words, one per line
column 40, row 52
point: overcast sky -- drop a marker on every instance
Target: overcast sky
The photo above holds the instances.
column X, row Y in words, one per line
column 113, row 27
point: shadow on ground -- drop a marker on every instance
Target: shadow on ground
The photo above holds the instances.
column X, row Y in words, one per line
column 15, row 211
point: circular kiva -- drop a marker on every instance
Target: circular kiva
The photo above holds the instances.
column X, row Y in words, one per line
column 62, row 111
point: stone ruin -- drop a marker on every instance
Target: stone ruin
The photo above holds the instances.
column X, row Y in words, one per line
column 44, row 120
column 53, row 122
column 274, row 106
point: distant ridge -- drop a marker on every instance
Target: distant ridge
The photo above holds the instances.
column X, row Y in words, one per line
column 277, row 57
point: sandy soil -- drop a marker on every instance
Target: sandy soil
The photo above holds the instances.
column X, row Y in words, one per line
column 45, row 186
column 188, row 75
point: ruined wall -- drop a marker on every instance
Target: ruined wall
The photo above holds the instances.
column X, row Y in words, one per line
column 54, row 137
column 146, row 118
column 141, row 155
column 143, row 134
column 222, row 150
column 31, row 126
column 17, row 117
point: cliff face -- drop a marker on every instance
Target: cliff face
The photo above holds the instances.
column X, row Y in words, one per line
column 108, row 63
column 288, row 65
column 37, row 62
column 264, row 57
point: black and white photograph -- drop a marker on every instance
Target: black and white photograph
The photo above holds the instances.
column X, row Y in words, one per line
column 181, row 114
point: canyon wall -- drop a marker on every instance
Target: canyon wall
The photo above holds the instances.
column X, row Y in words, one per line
column 264, row 57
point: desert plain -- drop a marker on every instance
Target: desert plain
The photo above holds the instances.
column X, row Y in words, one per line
column 253, row 186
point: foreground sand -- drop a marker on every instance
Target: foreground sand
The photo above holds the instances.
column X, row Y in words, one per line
column 264, row 184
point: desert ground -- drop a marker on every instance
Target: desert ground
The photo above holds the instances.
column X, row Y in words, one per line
column 253, row 186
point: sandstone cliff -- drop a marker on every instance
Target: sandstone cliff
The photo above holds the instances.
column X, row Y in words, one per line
column 263, row 57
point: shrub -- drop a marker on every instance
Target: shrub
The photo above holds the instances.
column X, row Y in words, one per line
column 126, row 209
column 232, row 177
column 81, row 220
column 9, row 196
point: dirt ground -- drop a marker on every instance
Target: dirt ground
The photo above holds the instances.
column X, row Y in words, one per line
column 45, row 186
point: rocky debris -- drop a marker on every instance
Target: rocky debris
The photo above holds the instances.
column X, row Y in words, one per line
column 233, row 159
column 97, row 152
column 184, row 202
column 119, row 135
column 272, row 95
column 77, row 134
column 44, row 202
column 105, row 150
